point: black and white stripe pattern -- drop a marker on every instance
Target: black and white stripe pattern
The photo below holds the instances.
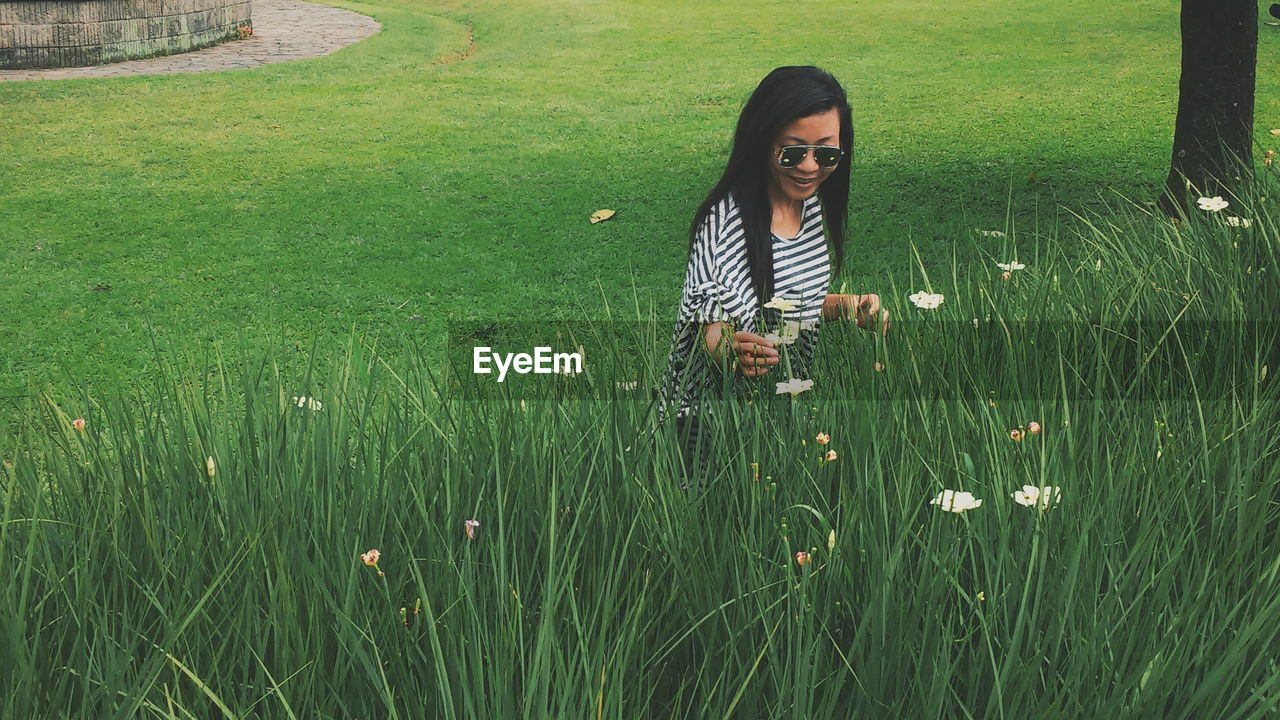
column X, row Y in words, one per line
column 717, row 288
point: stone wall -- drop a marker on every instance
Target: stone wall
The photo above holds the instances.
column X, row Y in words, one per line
column 74, row 33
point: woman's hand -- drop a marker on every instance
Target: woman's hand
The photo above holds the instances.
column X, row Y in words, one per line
column 866, row 308
column 860, row 308
column 752, row 353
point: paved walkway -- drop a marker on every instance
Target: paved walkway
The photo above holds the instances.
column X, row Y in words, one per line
column 282, row 30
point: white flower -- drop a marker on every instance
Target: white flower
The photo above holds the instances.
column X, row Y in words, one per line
column 1010, row 266
column 777, row 340
column 310, row 403
column 990, row 233
column 926, row 300
column 1213, row 204
column 1234, row 221
column 1044, row 497
column 956, row 502
column 791, row 329
column 628, row 384
column 782, row 304
column 795, row 386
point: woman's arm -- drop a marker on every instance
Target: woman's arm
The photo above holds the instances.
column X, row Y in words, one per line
column 855, row 307
column 839, row 307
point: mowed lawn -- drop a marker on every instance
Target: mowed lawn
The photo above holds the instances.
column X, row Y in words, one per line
column 447, row 166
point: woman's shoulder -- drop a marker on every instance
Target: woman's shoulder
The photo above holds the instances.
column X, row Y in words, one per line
column 721, row 223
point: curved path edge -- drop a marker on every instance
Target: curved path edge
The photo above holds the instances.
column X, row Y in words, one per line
column 283, row 30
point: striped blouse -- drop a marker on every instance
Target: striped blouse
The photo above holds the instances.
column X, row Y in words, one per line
column 717, row 288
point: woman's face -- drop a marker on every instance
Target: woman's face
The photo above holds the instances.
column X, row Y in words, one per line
column 799, row 182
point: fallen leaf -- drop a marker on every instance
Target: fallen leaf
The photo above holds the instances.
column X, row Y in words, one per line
column 601, row 216
column 1275, row 131
column 102, row 287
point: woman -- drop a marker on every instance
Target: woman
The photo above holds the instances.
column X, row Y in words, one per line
column 759, row 267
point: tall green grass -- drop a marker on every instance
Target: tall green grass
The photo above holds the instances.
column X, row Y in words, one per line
column 137, row 585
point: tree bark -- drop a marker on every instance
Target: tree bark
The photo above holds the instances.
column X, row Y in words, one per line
column 1213, row 134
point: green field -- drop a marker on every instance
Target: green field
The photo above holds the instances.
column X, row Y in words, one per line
column 185, row 255
column 383, row 188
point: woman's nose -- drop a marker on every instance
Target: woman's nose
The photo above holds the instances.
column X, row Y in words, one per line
column 809, row 163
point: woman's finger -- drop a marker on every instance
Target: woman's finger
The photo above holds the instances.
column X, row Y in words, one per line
column 754, row 348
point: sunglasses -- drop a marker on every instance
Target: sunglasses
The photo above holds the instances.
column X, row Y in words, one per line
column 828, row 156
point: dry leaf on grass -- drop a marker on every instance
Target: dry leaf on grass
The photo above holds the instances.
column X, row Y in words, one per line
column 601, row 216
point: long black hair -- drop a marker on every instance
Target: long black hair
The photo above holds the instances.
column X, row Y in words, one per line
column 786, row 94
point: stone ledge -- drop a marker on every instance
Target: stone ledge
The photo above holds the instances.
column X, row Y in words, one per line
column 74, row 33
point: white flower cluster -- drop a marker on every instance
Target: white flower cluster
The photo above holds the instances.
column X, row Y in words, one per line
column 1213, row 204
column 310, row 403
column 783, row 304
column 795, row 386
column 1029, row 496
column 1042, row 497
column 790, row 333
column 926, row 300
column 956, row 502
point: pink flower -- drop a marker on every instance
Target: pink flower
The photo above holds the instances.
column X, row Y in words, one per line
column 471, row 526
column 803, row 558
column 78, row 424
column 879, row 367
column 1016, row 434
column 831, row 456
column 1006, row 275
column 823, row 438
column 1033, row 427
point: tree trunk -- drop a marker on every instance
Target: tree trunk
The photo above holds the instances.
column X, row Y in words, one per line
column 1213, row 135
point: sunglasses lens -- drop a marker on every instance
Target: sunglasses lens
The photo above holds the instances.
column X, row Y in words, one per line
column 827, row 157
column 792, row 156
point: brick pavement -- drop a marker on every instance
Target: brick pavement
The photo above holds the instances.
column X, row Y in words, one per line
column 282, row 30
